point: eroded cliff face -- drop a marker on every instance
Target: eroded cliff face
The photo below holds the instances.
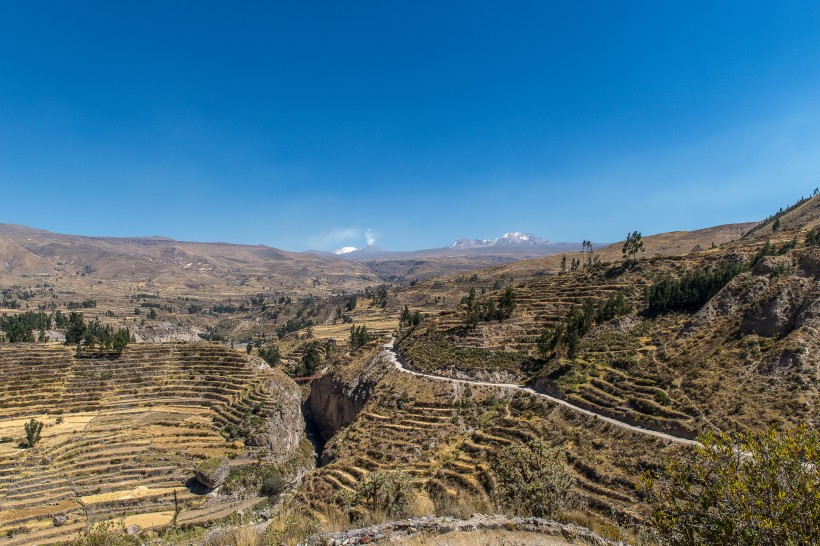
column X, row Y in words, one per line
column 337, row 398
column 285, row 427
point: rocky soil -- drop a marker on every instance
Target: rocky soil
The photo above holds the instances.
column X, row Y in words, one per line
column 431, row 526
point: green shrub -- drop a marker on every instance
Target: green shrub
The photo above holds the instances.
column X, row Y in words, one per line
column 387, row 494
column 750, row 489
column 532, row 480
column 106, row 533
column 270, row 354
column 33, row 429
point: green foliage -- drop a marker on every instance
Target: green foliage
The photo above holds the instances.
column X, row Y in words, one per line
column 691, row 290
column 751, row 489
column 359, row 336
column 264, row 479
column 85, row 304
column 19, row 328
column 770, row 249
column 75, row 328
column 272, row 484
column 311, row 360
column 387, row 494
column 293, row 325
column 95, row 335
column 532, row 480
column 484, row 310
column 614, row 306
column 270, row 354
column 409, row 318
column 33, row 429
column 210, row 464
column 632, row 246
column 813, row 237
column 378, row 297
column 432, row 350
column 105, row 533
column 579, row 321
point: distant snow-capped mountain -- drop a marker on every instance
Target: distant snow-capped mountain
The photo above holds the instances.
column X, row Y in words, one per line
column 510, row 246
column 345, row 250
column 509, row 239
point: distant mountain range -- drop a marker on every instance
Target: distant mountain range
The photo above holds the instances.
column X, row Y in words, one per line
column 512, row 245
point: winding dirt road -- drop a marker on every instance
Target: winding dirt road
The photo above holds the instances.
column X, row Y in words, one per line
column 390, row 354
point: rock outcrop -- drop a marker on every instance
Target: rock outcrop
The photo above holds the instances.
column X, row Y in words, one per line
column 396, row 531
column 286, row 426
column 212, row 473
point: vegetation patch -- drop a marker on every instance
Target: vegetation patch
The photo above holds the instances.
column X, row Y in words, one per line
column 433, row 350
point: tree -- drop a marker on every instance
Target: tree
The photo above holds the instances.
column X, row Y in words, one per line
column 359, row 336
column 632, row 246
column 270, row 354
column 692, row 289
column 121, row 340
column 414, row 318
column 311, row 360
column 587, row 246
column 563, row 264
column 506, row 304
column 387, row 493
column 75, row 330
column 755, row 489
column 532, row 479
column 33, row 428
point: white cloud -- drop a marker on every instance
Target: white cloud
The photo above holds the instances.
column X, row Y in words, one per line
column 337, row 237
column 370, row 235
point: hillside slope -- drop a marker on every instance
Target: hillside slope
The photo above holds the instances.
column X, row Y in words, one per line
column 737, row 361
column 122, row 435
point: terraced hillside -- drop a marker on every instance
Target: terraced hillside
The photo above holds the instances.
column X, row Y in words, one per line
column 739, row 359
column 123, row 435
column 445, row 435
column 735, row 355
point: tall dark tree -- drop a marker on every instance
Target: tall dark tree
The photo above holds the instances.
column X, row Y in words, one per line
column 632, row 246
column 75, row 329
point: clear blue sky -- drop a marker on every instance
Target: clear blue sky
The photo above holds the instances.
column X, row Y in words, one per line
column 303, row 124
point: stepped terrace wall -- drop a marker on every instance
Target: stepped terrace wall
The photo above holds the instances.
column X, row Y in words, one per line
column 122, row 435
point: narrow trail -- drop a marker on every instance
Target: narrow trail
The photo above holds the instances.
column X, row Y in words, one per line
column 391, row 354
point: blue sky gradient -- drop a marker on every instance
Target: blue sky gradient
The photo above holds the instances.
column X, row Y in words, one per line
column 304, row 124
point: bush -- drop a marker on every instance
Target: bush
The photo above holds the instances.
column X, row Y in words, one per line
column 387, row 494
column 532, row 480
column 33, row 429
column 272, row 484
column 106, row 533
column 270, row 354
column 813, row 237
column 359, row 336
column 750, row 489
